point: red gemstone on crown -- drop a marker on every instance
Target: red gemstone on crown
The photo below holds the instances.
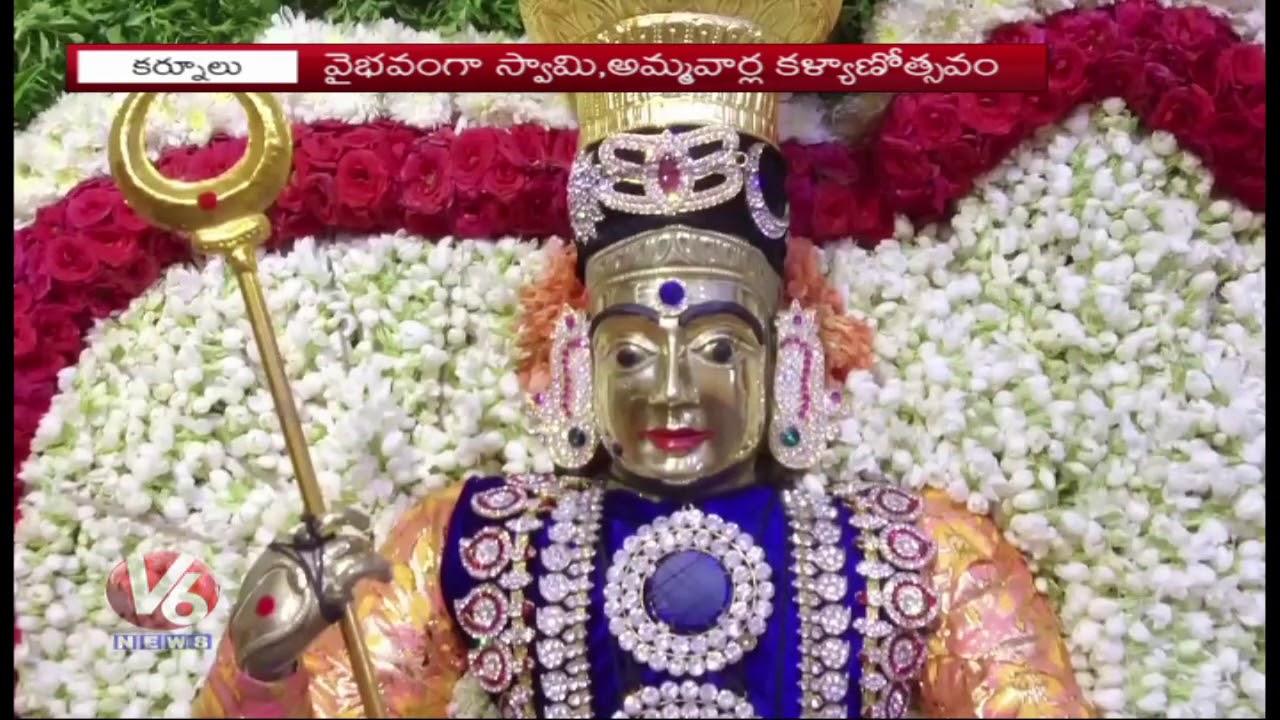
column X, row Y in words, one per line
column 207, row 201
column 669, row 174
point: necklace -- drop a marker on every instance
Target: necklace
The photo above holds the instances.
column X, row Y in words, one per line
column 495, row 612
column 681, row 634
column 821, row 584
column 900, row 604
column 693, row 634
column 688, row 594
column 565, row 585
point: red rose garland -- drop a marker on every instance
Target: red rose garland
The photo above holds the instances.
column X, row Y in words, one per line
column 1182, row 70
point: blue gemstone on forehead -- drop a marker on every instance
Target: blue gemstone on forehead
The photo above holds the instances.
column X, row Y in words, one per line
column 688, row 591
column 671, row 292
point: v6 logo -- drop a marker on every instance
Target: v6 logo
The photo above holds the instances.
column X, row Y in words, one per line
column 162, row 590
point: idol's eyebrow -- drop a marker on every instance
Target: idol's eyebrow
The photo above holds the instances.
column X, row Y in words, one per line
column 721, row 307
column 623, row 309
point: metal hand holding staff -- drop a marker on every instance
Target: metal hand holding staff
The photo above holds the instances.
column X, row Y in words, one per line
column 225, row 216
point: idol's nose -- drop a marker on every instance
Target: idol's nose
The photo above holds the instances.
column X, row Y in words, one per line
column 675, row 386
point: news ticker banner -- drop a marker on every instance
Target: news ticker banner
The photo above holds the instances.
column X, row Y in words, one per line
column 557, row 68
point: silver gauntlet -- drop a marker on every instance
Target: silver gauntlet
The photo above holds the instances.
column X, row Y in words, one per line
column 300, row 586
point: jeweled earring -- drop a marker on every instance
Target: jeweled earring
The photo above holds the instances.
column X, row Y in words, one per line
column 802, row 420
column 562, row 413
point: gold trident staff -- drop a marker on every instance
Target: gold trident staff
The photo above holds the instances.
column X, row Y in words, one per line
column 224, row 216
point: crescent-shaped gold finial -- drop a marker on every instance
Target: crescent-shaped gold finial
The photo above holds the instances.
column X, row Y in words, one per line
column 221, row 214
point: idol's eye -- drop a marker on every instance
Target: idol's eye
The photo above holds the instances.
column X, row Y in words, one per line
column 628, row 356
column 719, row 351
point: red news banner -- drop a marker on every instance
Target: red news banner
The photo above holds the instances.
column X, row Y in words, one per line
column 557, row 68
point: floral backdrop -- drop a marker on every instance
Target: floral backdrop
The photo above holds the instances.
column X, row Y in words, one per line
column 1068, row 291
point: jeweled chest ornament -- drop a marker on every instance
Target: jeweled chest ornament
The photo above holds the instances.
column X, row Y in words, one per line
column 685, row 700
column 688, row 594
column 495, row 612
column 565, row 586
column 668, row 179
column 820, row 582
column 686, row 583
column 901, row 604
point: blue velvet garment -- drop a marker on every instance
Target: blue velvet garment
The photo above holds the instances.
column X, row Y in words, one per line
column 768, row 676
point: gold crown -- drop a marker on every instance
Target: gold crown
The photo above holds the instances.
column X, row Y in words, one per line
column 678, row 22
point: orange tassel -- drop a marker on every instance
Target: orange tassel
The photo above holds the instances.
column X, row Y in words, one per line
column 541, row 304
column 846, row 340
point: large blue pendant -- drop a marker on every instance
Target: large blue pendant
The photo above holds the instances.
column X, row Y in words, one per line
column 688, row 591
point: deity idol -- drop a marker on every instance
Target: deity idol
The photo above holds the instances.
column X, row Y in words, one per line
column 687, row 559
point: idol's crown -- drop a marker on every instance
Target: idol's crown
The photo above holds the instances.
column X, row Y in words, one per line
column 680, row 189
column 601, row 115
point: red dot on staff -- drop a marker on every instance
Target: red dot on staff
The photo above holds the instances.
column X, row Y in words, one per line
column 266, row 605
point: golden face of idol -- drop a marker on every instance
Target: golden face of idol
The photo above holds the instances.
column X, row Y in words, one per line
column 682, row 395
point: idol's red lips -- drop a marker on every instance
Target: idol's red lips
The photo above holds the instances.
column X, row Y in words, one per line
column 677, row 441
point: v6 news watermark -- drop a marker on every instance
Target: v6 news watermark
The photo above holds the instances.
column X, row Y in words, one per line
column 164, row 591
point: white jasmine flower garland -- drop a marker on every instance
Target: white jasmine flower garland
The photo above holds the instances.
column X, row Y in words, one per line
column 1081, row 355
column 470, row 700
column 926, row 21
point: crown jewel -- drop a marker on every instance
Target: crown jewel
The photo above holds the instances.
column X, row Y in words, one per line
column 665, row 181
